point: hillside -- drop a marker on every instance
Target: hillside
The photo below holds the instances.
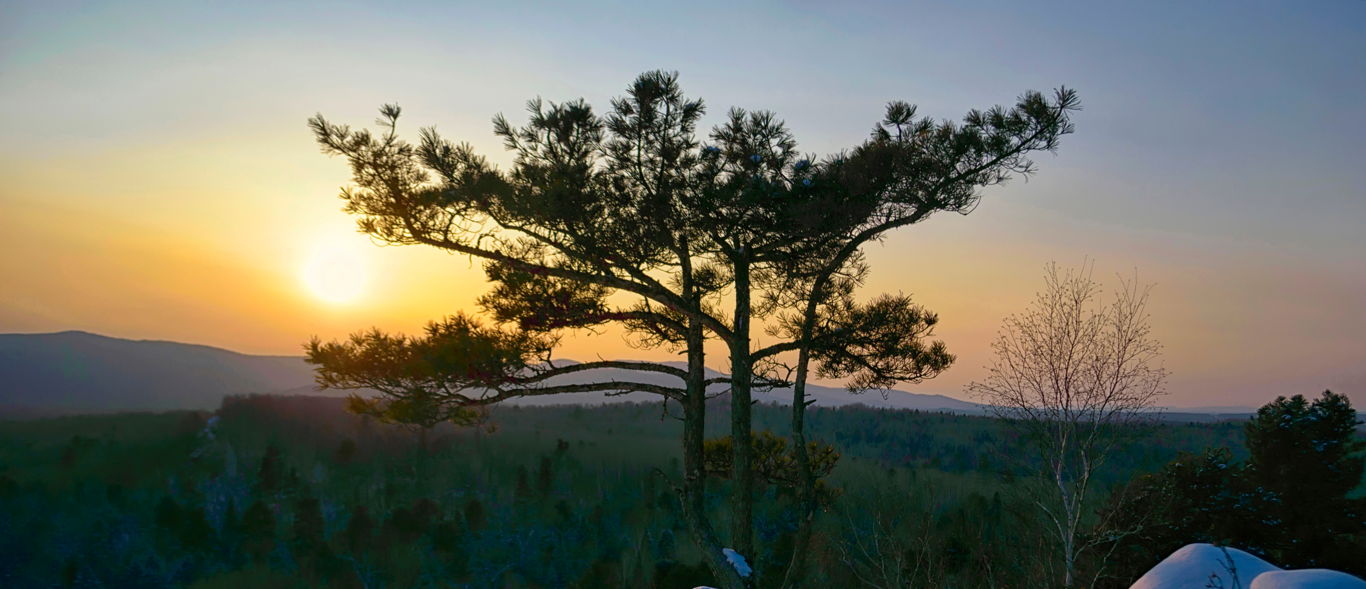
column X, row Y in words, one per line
column 74, row 371
column 79, row 372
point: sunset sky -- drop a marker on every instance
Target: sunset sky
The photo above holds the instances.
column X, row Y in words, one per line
column 157, row 179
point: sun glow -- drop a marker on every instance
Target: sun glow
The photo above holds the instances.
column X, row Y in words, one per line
column 335, row 271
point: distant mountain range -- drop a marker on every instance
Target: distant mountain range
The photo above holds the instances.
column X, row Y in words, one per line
column 79, row 372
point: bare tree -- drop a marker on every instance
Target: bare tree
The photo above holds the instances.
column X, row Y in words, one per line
column 1077, row 374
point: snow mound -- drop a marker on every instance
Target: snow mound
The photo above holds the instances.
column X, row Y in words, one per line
column 1199, row 566
column 1202, row 566
column 1307, row 579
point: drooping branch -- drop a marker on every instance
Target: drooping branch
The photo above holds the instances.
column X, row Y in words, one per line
column 462, row 363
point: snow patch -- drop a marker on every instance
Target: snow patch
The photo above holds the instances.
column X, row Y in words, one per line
column 1307, row 579
column 1201, row 566
column 738, row 561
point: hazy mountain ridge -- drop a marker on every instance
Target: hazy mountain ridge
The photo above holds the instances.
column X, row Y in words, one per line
column 80, row 372
column 76, row 371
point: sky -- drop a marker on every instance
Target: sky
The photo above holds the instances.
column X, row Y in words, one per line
column 159, row 180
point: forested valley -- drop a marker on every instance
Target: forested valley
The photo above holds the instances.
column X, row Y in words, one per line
column 274, row 491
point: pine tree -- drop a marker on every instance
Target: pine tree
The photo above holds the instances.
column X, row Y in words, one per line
column 360, row 530
column 446, row 537
column 426, row 511
column 308, row 525
column 71, row 573
column 195, row 532
column 258, row 531
column 270, row 476
column 545, row 476
column 346, row 452
column 633, row 203
column 401, row 527
column 474, row 514
column 563, row 512
column 167, row 514
column 664, row 548
column 602, row 573
column 1307, row 458
column 523, row 489
column 230, row 534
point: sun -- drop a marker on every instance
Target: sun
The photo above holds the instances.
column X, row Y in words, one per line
column 335, row 271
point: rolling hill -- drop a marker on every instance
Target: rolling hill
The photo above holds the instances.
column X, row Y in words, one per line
column 79, row 372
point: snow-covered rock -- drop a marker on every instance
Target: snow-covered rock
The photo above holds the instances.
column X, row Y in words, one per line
column 1199, row 566
column 1307, row 579
column 1204, row 566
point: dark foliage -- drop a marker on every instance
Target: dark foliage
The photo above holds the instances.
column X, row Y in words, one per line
column 774, row 462
column 1293, row 501
column 270, row 476
column 258, row 530
column 1304, row 460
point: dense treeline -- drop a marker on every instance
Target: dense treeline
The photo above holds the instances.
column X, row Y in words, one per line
column 271, row 490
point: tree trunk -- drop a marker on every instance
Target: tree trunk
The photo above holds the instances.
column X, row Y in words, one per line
column 693, row 493
column 741, row 369
column 1067, row 528
column 1068, row 565
column 806, row 484
column 1069, row 543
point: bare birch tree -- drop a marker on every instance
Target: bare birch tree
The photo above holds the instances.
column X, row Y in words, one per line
column 1077, row 374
